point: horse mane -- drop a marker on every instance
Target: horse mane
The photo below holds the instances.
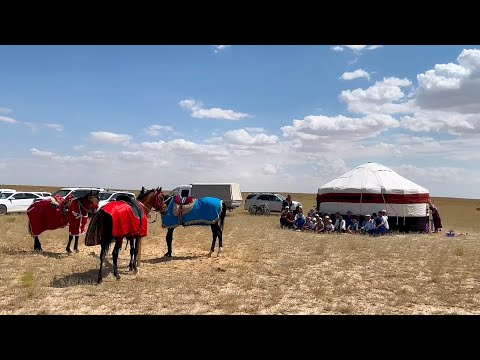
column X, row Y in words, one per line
column 141, row 196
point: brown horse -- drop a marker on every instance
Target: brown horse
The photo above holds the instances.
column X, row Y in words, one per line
column 124, row 218
column 57, row 213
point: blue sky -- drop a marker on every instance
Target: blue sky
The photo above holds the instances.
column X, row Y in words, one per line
column 272, row 118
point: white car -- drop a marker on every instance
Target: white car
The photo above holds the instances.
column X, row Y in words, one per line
column 7, row 190
column 77, row 191
column 273, row 200
column 107, row 196
column 16, row 202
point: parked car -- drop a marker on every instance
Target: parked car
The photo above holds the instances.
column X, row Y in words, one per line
column 107, row 196
column 16, row 202
column 77, row 191
column 7, row 190
column 273, row 200
column 43, row 194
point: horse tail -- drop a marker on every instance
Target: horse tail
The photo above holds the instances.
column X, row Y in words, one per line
column 222, row 215
column 29, row 228
column 99, row 230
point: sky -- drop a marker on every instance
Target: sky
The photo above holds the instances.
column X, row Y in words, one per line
column 271, row 118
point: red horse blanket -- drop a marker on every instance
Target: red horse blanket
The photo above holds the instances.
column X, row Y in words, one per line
column 124, row 222
column 43, row 216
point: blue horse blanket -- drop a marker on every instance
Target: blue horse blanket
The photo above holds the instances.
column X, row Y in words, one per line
column 206, row 211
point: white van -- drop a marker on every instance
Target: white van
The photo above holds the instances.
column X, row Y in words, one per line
column 228, row 192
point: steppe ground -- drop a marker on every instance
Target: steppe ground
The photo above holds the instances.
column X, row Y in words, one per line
column 263, row 270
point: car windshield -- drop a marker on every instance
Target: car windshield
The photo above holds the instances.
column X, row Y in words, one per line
column 5, row 195
column 281, row 197
column 104, row 195
column 61, row 193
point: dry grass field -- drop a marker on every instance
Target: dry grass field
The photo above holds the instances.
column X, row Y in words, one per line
column 263, row 270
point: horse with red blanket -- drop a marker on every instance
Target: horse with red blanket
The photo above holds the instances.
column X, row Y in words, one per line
column 58, row 212
column 123, row 218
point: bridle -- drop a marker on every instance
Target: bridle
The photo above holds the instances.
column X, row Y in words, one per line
column 79, row 201
column 156, row 205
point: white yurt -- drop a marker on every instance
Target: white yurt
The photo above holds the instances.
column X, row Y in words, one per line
column 372, row 187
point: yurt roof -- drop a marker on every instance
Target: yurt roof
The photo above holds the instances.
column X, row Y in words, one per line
column 372, row 178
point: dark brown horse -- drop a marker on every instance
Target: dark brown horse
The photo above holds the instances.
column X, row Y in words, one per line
column 57, row 213
column 124, row 218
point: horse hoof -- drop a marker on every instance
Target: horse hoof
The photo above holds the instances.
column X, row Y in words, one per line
column 117, row 277
column 68, row 250
column 99, row 281
column 38, row 250
column 135, row 271
column 210, row 254
column 76, row 250
column 167, row 255
column 220, row 251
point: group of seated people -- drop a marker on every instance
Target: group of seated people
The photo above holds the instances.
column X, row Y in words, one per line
column 377, row 224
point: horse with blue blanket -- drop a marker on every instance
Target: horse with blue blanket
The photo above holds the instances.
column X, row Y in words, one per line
column 189, row 211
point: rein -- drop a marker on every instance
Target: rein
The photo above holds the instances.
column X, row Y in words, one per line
column 150, row 210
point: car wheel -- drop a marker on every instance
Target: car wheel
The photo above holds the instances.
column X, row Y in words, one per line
column 3, row 209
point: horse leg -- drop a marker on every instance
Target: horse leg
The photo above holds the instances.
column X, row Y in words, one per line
column 214, row 238
column 75, row 247
column 37, row 246
column 220, row 237
column 169, row 239
column 70, row 237
column 132, row 253
column 138, row 253
column 118, row 245
column 102, row 257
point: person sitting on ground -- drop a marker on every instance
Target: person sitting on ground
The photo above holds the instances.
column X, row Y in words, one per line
column 308, row 224
column 283, row 217
column 339, row 223
column 379, row 224
column 329, row 226
column 369, row 227
column 299, row 219
column 289, row 220
column 353, row 227
column 318, row 223
column 311, row 213
column 348, row 220
column 295, row 211
column 385, row 220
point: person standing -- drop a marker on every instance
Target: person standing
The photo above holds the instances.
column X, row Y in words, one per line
column 318, row 202
column 437, row 220
column 287, row 202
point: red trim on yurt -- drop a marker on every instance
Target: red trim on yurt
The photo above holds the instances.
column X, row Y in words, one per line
column 375, row 198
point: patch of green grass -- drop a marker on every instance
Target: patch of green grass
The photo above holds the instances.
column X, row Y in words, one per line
column 27, row 282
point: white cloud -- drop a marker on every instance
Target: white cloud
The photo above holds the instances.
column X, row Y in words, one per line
column 7, row 120
column 334, row 128
column 355, row 48
column 255, row 129
column 384, row 96
column 219, row 48
column 5, row 110
column 242, row 137
column 270, row 169
column 359, row 73
column 197, row 111
column 109, row 137
column 36, row 152
column 155, row 129
column 57, row 127
column 452, row 87
column 78, row 147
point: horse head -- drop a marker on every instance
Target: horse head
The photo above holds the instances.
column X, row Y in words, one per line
column 159, row 204
column 90, row 201
column 153, row 198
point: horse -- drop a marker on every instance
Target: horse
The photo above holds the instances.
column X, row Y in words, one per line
column 58, row 212
column 204, row 211
column 123, row 218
